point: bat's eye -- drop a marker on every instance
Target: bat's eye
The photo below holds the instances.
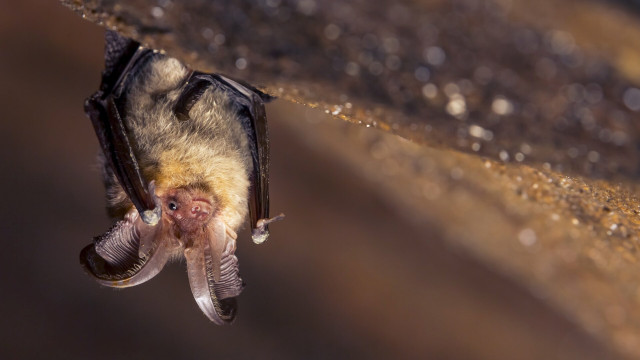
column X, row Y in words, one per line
column 173, row 206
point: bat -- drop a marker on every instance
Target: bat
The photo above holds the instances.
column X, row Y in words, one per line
column 185, row 157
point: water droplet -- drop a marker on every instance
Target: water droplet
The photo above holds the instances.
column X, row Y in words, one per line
column 562, row 42
column 457, row 106
column 430, row 91
column 487, row 135
column 457, row 173
column 504, row 155
column 219, row 39
column 476, row 131
column 241, row 63
column 501, row 106
column 631, row 99
column 207, row 33
column 157, row 12
column 434, row 55
column 593, row 156
column 332, row 32
column 527, row 237
column 451, row 89
column 525, row 148
column 352, row 69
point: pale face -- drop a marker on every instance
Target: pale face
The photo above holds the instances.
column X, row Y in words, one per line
column 188, row 210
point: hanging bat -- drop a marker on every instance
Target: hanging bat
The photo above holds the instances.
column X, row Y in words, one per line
column 185, row 156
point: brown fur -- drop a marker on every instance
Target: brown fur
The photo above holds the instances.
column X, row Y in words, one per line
column 210, row 151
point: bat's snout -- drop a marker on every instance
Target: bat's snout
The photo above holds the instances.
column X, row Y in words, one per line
column 200, row 210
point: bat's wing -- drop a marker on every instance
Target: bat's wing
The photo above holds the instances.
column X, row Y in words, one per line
column 104, row 108
column 249, row 103
column 255, row 126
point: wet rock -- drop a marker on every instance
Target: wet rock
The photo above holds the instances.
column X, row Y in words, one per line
column 524, row 130
column 430, row 71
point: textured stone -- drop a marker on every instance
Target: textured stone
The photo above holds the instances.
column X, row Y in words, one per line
column 523, row 121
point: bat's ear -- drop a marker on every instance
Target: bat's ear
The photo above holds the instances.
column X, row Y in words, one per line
column 213, row 273
column 129, row 254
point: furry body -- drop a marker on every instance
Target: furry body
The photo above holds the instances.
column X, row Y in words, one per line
column 185, row 158
column 209, row 152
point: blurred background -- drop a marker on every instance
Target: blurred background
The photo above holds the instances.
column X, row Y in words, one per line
column 346, row 275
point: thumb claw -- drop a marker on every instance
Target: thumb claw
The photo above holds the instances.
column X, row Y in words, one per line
column 260, row 233
column 153, row 216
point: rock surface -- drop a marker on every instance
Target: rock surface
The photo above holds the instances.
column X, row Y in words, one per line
column 523, row 121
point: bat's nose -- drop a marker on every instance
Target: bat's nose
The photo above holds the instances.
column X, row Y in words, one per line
column 200, row 209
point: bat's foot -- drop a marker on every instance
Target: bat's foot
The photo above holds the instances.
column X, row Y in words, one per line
column 260, row 233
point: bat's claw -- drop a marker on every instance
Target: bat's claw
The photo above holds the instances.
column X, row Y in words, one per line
column 152, row 217
column 260, row 233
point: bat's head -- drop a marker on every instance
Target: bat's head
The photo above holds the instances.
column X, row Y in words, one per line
column 188, row 209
